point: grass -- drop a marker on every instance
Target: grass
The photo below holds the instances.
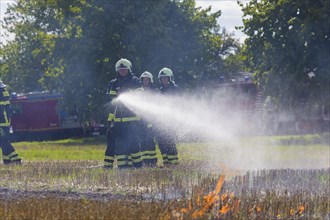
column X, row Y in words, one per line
column 93, row 148
column 61, row 180
column 68, row 149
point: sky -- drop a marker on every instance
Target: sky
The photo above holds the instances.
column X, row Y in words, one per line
column 231, row 14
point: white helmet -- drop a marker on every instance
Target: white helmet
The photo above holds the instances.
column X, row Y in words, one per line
column 124, row 64
column 166, row 72
column 1, row 84
column 147, row 74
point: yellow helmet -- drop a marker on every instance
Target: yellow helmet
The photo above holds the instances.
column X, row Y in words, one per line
column 147, row 74
column 123, row 64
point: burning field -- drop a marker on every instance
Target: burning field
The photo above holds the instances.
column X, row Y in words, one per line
column 199, row 188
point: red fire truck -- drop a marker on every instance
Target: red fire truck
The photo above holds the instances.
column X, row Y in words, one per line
column 36, row 116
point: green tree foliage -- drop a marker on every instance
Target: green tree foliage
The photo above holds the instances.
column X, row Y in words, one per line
column 288, row 42
column 71, row 46
column 234, row 63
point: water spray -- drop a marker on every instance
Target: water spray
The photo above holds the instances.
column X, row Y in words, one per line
column 192, row 118
column 182, row 116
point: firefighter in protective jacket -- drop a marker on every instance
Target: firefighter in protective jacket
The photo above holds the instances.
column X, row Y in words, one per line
column 147, row 134
column 123, row 124
column 9, row 155
column 166, row 140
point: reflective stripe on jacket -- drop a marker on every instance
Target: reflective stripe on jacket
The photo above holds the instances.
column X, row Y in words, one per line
column 4, row 108
column 117, row 111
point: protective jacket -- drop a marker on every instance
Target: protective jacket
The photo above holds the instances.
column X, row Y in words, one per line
column 170, row 89
column 123, row 124
column 118, row 112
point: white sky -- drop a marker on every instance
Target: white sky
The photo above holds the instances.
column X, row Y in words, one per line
column 231, row 14
column 3, row 8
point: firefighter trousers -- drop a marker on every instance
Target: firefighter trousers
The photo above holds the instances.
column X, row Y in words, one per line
column 148, row 145
column 123, row 145
column 168, row 149
column 9, row 155
column 110, row 150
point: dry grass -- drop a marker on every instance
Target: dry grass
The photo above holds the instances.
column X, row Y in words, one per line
column 62, row 187
column 77, row 190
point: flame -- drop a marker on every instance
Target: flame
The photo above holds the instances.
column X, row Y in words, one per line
column 198, row 213
column 209, row 200
column 258, row 209
column 292, row 212
column 219, row 184
column 213, row 199
column 184, row 210
column 224, row 209
column 231, row 195
column 224, row 197
column 301, row 209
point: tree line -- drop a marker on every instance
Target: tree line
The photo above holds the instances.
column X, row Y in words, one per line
column 288, row 49
column 71, row 46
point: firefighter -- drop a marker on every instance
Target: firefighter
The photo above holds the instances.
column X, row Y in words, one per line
column 9, row 155
column 123, row 124
column 147, row 134
column 166, row 143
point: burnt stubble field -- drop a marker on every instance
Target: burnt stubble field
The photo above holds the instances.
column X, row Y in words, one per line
column 200, row 187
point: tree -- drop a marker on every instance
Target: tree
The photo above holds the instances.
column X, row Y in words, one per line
column 288, row 47
column 72, row 45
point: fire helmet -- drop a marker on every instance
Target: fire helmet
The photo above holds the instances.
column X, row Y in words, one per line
column 2, row 85
column 166, row 72
column 123, row 64
column 147, row 74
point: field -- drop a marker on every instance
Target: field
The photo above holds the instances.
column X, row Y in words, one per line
column 284, row 177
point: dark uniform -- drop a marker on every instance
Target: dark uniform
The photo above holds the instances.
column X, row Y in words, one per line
column 147, row 136
column 9, row 155
column 166, row 140
column 123, row 125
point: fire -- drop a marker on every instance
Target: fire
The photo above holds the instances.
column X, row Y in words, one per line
column 258, row 209
column 299, row 211
column 211, row 202
column 198, row 213
column 224, row 197
column 219, row 184
column 225, row 209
